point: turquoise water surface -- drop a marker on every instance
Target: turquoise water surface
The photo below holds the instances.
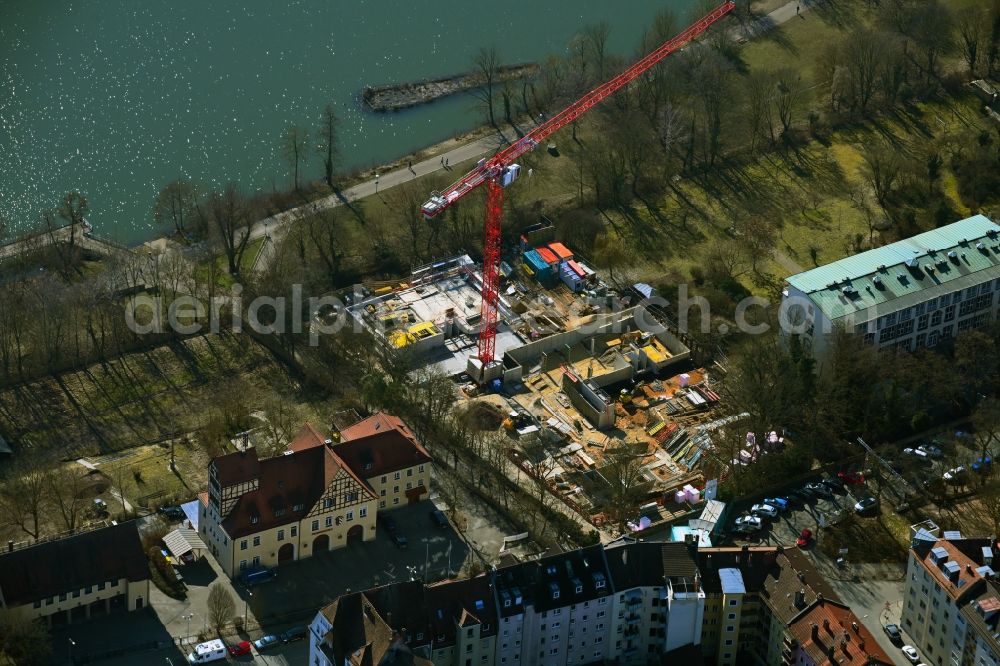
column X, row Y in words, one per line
column 115, row 98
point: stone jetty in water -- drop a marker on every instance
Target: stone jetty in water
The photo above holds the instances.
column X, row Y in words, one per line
column 396, row 96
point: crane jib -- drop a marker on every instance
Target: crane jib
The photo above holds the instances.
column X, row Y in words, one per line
column 493, row 167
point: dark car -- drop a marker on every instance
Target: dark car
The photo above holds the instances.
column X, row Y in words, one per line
column 892, row 631
column 388, row 522
column 805, row 538
column 439, row 519
column 172, row 512
column 833, row 483
column 400, row 541
column 819, row 489
column 798, row 497
column 292, row 635
column 866, row 505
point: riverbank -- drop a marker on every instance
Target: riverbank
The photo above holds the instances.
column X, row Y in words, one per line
column 398, row 96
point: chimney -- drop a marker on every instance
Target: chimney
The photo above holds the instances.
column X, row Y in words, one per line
column 10, row 546
column 831, row 652
column 826, row 625
column 855, row 627
column 800, row 598
column 815, row 630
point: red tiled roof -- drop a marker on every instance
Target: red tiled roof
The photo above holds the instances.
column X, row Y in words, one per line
column 306, row 438
column 375, row 424
column 839, row 629
column 204, row 498
column 295, row 479
column 380, row 444
column 237, row 467
column 967, row 574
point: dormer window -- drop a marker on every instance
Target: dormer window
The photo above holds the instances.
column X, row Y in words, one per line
column 253, row 519
column 278, row 513
column 298, row 507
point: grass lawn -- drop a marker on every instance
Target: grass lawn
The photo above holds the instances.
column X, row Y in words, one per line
column 866, row 540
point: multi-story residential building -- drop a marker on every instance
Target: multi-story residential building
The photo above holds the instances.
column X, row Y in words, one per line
column 581, row 607
column 909, row 294
column 756, row 602
column 262, row 512
column 388, row 456
column 67, row 580
column 950, row 597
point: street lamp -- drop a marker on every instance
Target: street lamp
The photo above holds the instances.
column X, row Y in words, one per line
column 187, row 634
column 376, row 183
column 246, row 605
column 72, row 644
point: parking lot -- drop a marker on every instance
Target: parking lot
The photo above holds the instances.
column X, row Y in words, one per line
column 302, row 587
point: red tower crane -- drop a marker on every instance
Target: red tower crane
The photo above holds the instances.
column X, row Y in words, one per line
column 499, row 171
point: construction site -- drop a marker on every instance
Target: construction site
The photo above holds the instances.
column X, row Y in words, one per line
column 581, row 369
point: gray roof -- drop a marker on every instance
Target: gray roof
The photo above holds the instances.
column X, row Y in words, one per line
column 183, row 540
column 732, row 581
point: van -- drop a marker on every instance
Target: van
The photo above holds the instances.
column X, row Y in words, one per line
column 208, row 652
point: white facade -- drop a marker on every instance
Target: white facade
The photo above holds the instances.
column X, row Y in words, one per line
column 685, row 613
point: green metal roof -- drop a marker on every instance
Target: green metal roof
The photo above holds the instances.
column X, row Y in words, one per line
column 913, row 269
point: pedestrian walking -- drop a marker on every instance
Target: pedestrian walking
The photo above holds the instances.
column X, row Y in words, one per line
column 442, row 161
column 796, row 10
column 446, row 162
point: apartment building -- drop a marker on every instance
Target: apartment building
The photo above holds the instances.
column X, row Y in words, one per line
column 758, row 599
column 951, row 602
column 319, row 495
column 68, row 580
column 586, row 606
column 909, row 294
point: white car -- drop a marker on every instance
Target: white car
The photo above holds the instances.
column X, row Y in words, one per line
column 954, row 474
column 911, row 653
column 764, row 510
column 747, row 524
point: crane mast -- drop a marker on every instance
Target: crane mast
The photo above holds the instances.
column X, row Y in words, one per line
column 500, row 170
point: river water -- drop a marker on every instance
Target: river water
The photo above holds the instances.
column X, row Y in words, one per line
column 115, row 98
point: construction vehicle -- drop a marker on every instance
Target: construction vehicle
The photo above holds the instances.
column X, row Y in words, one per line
column 501, row 170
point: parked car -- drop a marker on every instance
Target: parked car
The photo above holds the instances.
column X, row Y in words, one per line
column 267, row 641
column 240, row 649
column 800, row 496
column 931, row 450
column 982, row 464
column 918, row 452
column 257, row 576
column 764, row 510
column 747, row 524
column 388, row 522
column 439, row 519
column 893, row 632
column 833, row 483
column 172, row 512
column 866, row 505
column 955, row 474
column 779, row 503
column 911, row 653
column 819, row 489
column 399, row 540
column 805, row 538
column 205, row 653
column 293, row 634
column 851, row 478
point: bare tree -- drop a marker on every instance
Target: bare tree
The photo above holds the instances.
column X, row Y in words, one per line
column 22, row 495
column 623, row 471
column 66, row 489
column 330, row 142
column 862, row 53
column 786, row 97
column 760, row 85
column 972, row 26
column 226, row 214
column 221, row 606
column 932, row 30
column 175, row 205
column 24, row 640
column 595, row 43
column 881, row 171
column 4, row 226
column 293, row 144
column 486, row 65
